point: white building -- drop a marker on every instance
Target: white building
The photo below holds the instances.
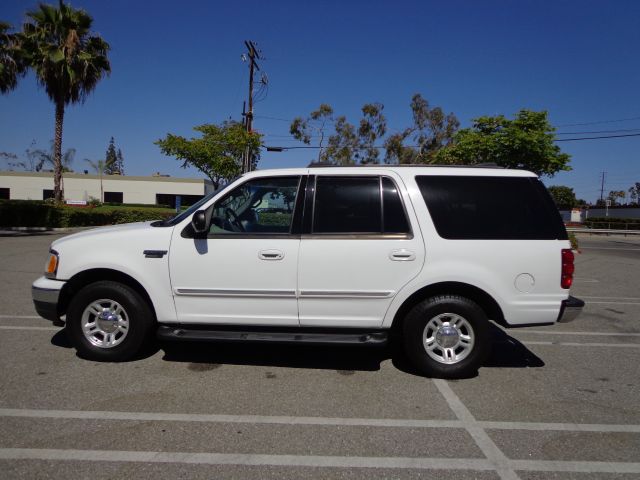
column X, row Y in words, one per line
column 117, row 188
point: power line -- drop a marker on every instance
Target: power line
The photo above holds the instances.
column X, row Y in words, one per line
column 599, row 122
column 597, row 138
column 599, row 131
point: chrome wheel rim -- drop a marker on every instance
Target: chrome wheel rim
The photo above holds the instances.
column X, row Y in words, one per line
column 105, row 323
column 448, row 338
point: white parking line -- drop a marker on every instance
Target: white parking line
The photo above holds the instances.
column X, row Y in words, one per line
column 616, row 302
column 313, row 460
column 561, row 427
column 577, row 344
column 588, row 334
column 610, row 248
column 19, row 316
column 290, row 420
column 21, row 327
column 484, row 442
column 610, row 298
column 213, row 418
column 244, row 459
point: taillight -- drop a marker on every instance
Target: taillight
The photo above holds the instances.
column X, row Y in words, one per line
column 568, row 268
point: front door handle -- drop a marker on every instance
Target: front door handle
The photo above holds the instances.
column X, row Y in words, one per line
column 270, row 255
column 402, row 255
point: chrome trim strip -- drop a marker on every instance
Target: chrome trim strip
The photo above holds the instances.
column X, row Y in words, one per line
column 216, row 292
column 344, row 294
column 357, row 236
column 45, row 295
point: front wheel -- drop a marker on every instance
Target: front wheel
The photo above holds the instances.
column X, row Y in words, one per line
column 447, row 336
column 109, row 321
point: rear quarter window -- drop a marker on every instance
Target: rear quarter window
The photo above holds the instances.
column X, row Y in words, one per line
column 491, row 208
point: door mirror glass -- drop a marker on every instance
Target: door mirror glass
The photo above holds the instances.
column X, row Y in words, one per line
column 199, row 222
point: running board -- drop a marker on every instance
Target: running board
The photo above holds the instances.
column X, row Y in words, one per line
column 347, row 338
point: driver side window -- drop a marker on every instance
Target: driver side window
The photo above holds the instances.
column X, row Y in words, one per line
column 260, row 206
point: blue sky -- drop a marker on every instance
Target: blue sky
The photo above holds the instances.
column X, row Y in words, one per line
column 177, row 64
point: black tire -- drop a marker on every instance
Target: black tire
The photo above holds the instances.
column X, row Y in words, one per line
column 477, row 324
column 139, row 317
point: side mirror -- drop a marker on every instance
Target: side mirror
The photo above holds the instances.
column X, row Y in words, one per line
column 199, row 221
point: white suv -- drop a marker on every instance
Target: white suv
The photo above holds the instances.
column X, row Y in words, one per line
column 422, row 255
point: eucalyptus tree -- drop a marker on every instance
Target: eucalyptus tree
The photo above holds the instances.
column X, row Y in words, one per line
column 68, row 62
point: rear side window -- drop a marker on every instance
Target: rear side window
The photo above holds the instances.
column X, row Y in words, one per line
column 361, row 205
column 347, row 205
column 491, row 208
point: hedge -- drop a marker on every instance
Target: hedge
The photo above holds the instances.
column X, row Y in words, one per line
column 33, row 213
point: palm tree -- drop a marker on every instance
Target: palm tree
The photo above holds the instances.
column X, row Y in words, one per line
column 68, row 62
column 99, row 166
column 39, row 158
column 11, row 61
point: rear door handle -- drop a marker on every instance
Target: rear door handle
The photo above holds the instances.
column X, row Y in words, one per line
column 270, row 255
column 402, row 255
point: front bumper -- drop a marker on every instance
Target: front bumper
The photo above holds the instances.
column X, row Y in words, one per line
column 570, row 309
column 45, row 293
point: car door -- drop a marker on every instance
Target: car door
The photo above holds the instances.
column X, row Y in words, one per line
column 358, row 249
column 244, row 271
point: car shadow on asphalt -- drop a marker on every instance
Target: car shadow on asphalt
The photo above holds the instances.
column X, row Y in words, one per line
column 507, row 353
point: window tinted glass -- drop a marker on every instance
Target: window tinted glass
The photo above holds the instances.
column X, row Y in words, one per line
column 347, row 205
column 395, row 218
column 264, row 205
column 491, row 208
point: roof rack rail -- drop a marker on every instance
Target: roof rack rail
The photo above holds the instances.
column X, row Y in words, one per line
column 378, row 165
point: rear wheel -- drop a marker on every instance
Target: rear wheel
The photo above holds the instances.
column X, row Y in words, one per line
column 446, row 336
column 109, row 321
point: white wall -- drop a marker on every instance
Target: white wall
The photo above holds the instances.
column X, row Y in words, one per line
column 29, row 186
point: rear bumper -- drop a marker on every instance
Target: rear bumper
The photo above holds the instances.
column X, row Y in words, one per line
column 570, row 309
column 45, row 294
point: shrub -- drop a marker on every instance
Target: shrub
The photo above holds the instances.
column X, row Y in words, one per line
column 574, row 241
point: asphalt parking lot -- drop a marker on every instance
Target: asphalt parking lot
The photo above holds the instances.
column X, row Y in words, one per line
column 559, row 402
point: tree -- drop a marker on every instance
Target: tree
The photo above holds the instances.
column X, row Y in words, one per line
column 111, row 159
column 564, row 197
column 526, row 142
column 12, row 65
column 40, row 158
column 120, row 162
column 305, row 129
column 99, row 166
column 614, row 195
column 68, row 62
column 346, row 145
column 372, row 126
column 634, row 193
column 431, row 131
column 217, row 153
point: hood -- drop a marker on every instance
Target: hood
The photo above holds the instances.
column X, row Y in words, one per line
column 110, row 230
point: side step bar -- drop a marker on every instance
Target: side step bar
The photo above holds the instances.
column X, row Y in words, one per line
column 182, row 332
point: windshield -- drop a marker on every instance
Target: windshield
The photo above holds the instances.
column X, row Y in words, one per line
column 169, row 222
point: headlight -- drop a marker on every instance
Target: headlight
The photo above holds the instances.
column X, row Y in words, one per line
column 51, row 267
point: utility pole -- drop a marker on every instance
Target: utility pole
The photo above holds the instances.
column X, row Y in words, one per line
column 252, row 54
column 602, row 187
